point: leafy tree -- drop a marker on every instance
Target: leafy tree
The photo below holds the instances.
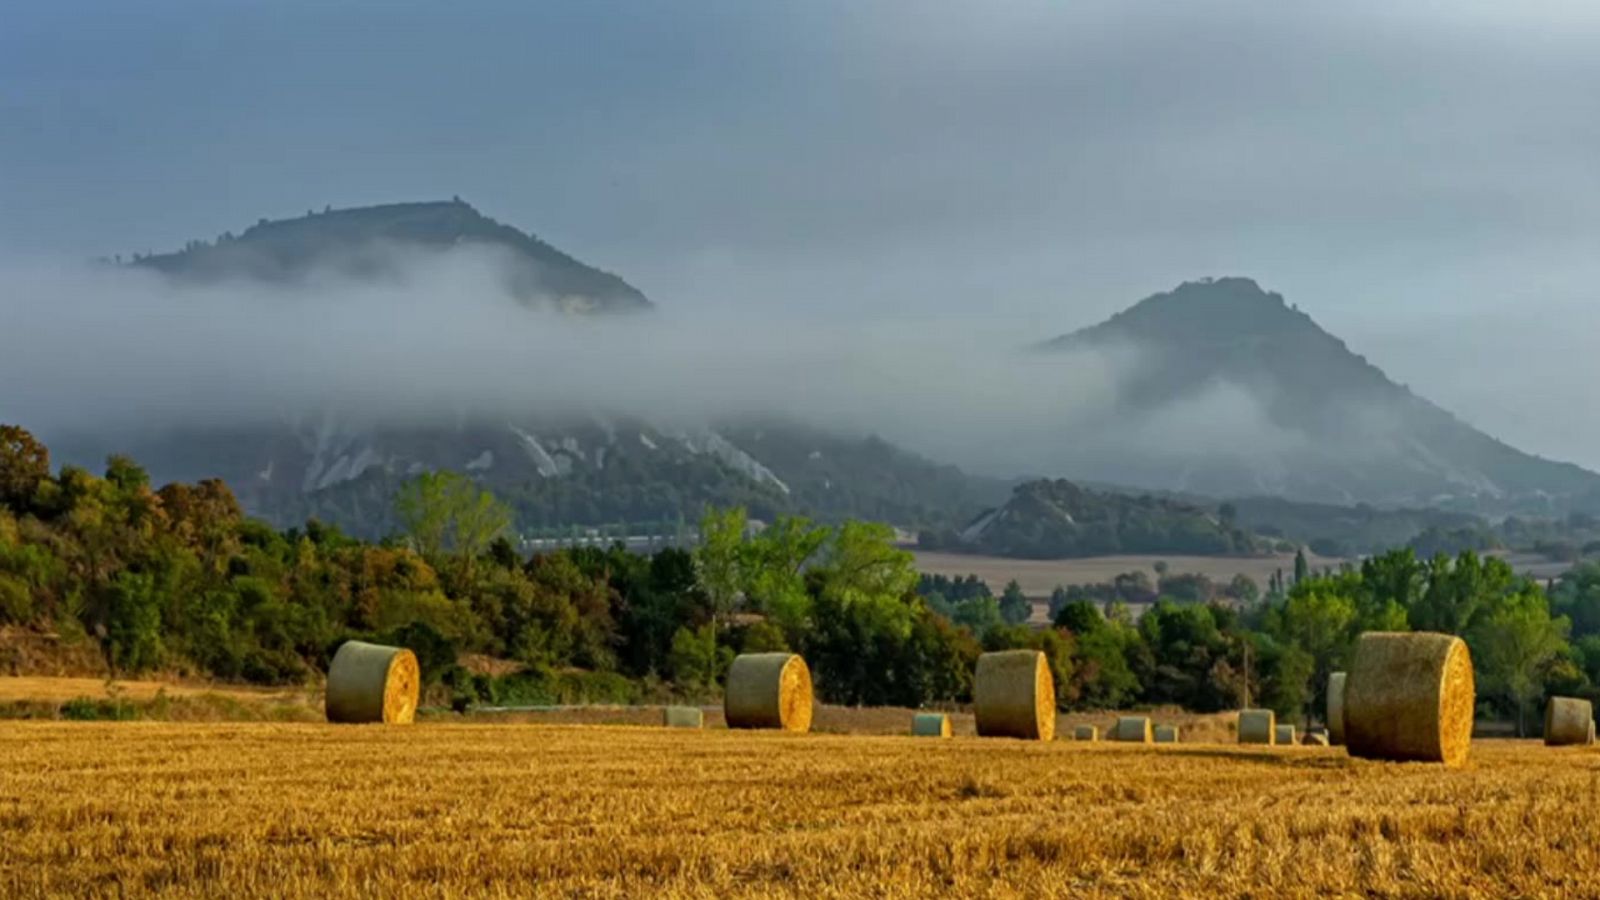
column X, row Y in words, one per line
column 1515, row 643
column 1015, row 608
column 24, row 465
column 445, row 512
column 719, row 558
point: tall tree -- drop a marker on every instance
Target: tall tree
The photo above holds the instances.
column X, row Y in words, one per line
column 447, row 513
column 1514, row 644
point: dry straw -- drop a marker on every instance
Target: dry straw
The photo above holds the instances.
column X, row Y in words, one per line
column 1568, row 720
column 1409, row 696
column 1336, row 708
column 768, row 690
column 1166, row 734
column 930, row 725
column 373, row 683
column 1284, row 734
column 1014, row 695
column 1257, row 726
column 683, row 717
column 1135, row 729
column 1086, row 733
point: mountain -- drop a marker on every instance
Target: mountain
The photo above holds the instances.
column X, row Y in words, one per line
column 1226, row 390
column 556, row 471
column 1058, row 519
column 372, row 242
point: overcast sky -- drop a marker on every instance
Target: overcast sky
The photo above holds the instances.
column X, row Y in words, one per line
column 1425, row 182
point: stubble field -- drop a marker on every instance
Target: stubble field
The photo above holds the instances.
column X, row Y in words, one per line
column 203, row 810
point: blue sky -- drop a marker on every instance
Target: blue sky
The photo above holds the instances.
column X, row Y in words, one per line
column 1422, row 180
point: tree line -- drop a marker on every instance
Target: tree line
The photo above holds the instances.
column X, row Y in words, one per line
column 178, row 579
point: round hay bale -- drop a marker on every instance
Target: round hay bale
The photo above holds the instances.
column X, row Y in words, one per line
column 1086, row 733
column 1568, row 720
column 1409, row 696
column 1258, row 726
column 1315, row 739
column 1166, row 734
column 1133, row 729
column 683, row 717
column 1284, row 734
column 1335, row 715
column 373, row 683
column 1014, row 695
column 768, row 690
column 930, row 725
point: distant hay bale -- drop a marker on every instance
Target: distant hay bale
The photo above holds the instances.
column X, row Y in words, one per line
column 1133, row 729
column 1315, row 739
column 683, row 717
column 1409, row 696
column 1568, row 720
column 1258, row 726
column 1283, row 734
column 373, row 683
column 1166, row 734
column 768, row 690
column 1014, row 695
column 1336, row 708
column 930, row 725
column 1086, row 733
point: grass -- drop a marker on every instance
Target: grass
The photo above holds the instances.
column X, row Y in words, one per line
column 257, row 810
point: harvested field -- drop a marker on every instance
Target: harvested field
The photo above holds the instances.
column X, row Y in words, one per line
column 46, row 689
column 258, row 810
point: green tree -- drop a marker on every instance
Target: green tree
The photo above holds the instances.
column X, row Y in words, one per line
column 719, row 557
column 447, row 513
column 1014, row 605
column 696, row 659
column 1515, row 643
column 1301, row 569
column 1320, row 623
column 24, row 465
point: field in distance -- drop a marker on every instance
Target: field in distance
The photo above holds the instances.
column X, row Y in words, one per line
column 257, row 810
column 1038, row 577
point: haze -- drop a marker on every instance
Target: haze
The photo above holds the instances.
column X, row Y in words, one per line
column 1420, row 180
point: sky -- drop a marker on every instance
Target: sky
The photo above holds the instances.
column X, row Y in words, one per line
column 1420, row 177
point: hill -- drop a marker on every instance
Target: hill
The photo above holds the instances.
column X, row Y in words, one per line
column 374, row 241
column 1059, row 519
column 1233, row 392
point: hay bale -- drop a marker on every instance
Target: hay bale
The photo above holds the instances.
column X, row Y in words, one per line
column 683, row 717
column 1283, row 734
column 768, row 690
column 1258, row 726
column 1166, row 734
column 373, row 683
column 1086, row 733
column 930, row 725
column 1568, row 720
column 1133, row 729
column 1014, row 695
column 1315, row 739
column 1409, row 696
column 1335, row 713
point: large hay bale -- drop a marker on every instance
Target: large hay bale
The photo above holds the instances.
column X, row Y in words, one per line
column 1257, row 726
column 1086, row 733
column 1166, row 734
column 1283, row 735
column 1014, row 695
column 930, row 725
column 373, row 683
column 768, row 690
column 1335, row 713
column 1133, row 729
column 1409, row 696
column 1568, row 720
column 683, row 717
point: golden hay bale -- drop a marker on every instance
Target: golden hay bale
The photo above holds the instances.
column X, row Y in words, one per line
column 1257, row 726
column 1014, row 695
column 1335, row 714
column 373, row 683
column 1568, row 720
column 683, row 717
column 768, row 690
column 1086, row 733
column 1315, row 739
column 1135, row 729
column 1166, row 734
column 930, row 725
column 1409, row 696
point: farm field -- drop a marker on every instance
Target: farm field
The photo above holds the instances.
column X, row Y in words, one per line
column 255, row 810
column 1038, row 577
